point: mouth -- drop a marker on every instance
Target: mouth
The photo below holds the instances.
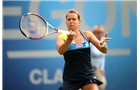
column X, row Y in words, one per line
column 71, row 25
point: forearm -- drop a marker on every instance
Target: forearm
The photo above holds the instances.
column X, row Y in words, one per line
column 63, row 48
column 97, row 43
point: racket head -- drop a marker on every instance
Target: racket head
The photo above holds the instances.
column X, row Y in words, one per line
column 33, row 26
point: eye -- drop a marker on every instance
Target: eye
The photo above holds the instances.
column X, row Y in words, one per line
column 74, row 19
column 68, row 19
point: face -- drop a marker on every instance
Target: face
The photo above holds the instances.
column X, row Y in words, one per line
column 99, row 32
column 72, row 21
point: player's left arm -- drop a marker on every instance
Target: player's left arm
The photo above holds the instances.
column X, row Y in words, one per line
column 100, row 45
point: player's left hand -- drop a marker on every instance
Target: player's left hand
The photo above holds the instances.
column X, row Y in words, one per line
column 104, row 39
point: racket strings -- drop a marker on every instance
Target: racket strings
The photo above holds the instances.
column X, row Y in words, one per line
column 33, row 26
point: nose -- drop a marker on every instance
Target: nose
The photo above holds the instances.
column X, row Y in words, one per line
column 71, row 20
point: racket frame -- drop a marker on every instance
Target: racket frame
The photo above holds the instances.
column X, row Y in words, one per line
column 47, row 25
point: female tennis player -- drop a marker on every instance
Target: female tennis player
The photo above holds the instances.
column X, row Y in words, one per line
column 78, row 72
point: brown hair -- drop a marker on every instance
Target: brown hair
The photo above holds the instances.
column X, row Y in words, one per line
column 74, row 11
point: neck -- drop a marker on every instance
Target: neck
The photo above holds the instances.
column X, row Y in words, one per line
column 77, row 32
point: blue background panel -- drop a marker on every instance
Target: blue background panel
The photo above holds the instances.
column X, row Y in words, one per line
column 36, row 65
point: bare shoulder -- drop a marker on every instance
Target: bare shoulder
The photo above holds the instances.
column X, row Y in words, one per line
column 87, row 33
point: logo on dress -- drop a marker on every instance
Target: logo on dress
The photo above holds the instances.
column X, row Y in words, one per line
column 86, row 44
column 79, row 45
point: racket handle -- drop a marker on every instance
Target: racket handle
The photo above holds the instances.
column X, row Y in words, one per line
column 63, row 31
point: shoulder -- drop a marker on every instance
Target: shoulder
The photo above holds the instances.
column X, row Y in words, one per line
column 87, row 33
column 58, row 37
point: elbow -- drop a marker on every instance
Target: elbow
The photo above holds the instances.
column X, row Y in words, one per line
column 61, row 53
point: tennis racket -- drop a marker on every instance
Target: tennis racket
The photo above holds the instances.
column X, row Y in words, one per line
column 34, row 26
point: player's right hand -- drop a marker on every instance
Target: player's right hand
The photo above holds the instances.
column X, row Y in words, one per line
column 72, row 34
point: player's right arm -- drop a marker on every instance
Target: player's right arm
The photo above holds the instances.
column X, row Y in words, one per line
column 62, row 45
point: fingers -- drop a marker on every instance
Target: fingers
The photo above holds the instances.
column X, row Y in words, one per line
column 107, row 39
column 72, row 34
column 104, row 39
column 106, row 35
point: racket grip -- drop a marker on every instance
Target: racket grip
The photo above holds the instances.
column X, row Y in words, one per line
column 63, row 31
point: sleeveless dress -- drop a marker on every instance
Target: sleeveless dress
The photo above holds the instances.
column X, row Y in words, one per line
column 78, row 68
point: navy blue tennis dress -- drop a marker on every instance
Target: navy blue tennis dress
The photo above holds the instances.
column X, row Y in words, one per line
column 78, row 69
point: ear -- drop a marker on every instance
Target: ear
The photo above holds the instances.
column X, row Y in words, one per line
column 79, row 21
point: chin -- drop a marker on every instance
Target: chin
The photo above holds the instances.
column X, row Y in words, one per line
column 71, row 29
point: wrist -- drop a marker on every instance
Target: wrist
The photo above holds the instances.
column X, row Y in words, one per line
column 102, row 45
column 70, row 38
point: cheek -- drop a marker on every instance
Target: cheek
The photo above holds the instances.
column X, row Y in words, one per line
column 66, row 23
column 78, row 23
